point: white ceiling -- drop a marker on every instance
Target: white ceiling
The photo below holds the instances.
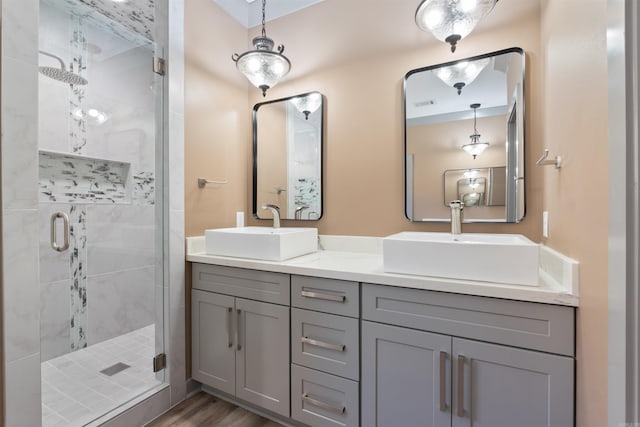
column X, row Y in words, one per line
column 249, row 12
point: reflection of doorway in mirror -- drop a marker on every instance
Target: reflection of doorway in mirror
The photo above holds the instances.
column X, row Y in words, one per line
column 303, row 158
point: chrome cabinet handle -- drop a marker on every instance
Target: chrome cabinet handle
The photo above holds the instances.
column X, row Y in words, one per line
column 443, row 379
column 334, row 347
column 460, row 396
column 229, row 326
column 324, row 405
column 238, row 346
column 54, row 232
column 326, row 297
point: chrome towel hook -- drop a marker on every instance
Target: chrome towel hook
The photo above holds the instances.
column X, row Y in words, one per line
column 542, row 161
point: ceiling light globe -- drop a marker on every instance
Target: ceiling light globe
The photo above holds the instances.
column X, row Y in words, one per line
column 475, row 148
column 263, row 68
column 451, row 20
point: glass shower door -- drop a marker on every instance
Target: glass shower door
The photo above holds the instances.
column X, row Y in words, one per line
column 100, row 207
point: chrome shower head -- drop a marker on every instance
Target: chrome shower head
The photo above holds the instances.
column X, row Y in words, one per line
column 61, row 74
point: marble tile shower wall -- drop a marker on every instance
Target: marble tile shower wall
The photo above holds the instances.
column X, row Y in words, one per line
column 103, row 285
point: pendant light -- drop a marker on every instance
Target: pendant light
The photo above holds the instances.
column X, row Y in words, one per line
column 452, row 20
column 462, row 73
column 475, row 148
column 263, row 66
column 307, row 104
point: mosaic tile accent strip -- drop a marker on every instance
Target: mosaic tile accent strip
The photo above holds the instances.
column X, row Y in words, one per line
column 144, row 188
column 77, row 65
column 73, row 179
column 136, row 15
column 132, row 20
column 307, row 193
column 78, row 263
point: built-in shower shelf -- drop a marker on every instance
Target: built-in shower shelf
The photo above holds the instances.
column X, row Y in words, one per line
column 73, row 178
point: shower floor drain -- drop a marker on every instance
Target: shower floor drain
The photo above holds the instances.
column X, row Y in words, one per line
column 112, row 370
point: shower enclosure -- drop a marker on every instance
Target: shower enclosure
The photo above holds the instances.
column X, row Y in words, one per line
column 99, row 206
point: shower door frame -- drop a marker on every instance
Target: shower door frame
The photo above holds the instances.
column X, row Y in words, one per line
column 20, row 231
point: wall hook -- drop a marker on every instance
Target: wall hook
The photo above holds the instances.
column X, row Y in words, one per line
column 542, row 161
column 202, row 182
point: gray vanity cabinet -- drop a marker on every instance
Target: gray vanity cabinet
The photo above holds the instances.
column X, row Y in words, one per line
column 325, row 352
column 213, row 351
column 241, row 346
column 403, row 381
column 504, row 386
column 418, row 371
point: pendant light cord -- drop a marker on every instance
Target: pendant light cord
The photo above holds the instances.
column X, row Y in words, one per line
column 264, row 5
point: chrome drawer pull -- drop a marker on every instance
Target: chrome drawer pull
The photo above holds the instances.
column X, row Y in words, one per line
column 460, row 386
column 323, row 405
column 326, row 297
column 335, row 347
column 229, row 326
column 443, row 379
column 238, row 346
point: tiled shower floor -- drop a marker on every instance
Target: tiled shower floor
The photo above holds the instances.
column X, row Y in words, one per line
column 74, row 392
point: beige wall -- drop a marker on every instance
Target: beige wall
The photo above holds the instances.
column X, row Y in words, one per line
column 575, row 126
column 360, row 69
column 217, row 118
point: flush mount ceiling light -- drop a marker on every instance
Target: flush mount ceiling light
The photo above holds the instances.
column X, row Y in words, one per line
column 307, row 104
column 475, row 148
column 263, row 66
column 452, row 20
column 462, row 73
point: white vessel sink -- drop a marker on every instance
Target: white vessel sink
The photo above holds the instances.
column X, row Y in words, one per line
column 265, row 243
column 500, row 258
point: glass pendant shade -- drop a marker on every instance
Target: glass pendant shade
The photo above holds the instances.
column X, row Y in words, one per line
column 307, row 104
column 263, row 66
column 452, row 20
column 475, row 148
column 462, row 73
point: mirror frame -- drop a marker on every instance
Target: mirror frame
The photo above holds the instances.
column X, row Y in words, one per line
column 255, row 153
column 520, row 168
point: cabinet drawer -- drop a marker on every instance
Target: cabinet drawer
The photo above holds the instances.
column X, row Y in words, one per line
column 251, row 284
column 534, row 326
column 326, row 295
column 325, row 342
column 323, row 400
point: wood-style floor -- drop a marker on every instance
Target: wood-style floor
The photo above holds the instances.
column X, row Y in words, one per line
column 204, row 410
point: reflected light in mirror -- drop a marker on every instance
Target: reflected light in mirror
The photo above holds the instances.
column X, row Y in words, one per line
column 307, row 104
column 475, row 148
column 462, row 73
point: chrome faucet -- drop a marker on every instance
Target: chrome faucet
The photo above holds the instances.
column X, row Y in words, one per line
column 456, row 216
column 298, row 212
column 275, row 210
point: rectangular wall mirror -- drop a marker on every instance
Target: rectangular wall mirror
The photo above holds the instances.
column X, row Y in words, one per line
column 287, row 157
column 464, row 138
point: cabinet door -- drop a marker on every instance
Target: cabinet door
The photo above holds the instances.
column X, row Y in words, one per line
column 213, row 355
column 505, row 386
column 262, row 364
column 405, row 377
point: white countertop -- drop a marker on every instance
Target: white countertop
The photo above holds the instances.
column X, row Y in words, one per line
column 360, row 259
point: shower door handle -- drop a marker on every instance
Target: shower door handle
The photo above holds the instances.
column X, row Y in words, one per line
column 54, row 233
